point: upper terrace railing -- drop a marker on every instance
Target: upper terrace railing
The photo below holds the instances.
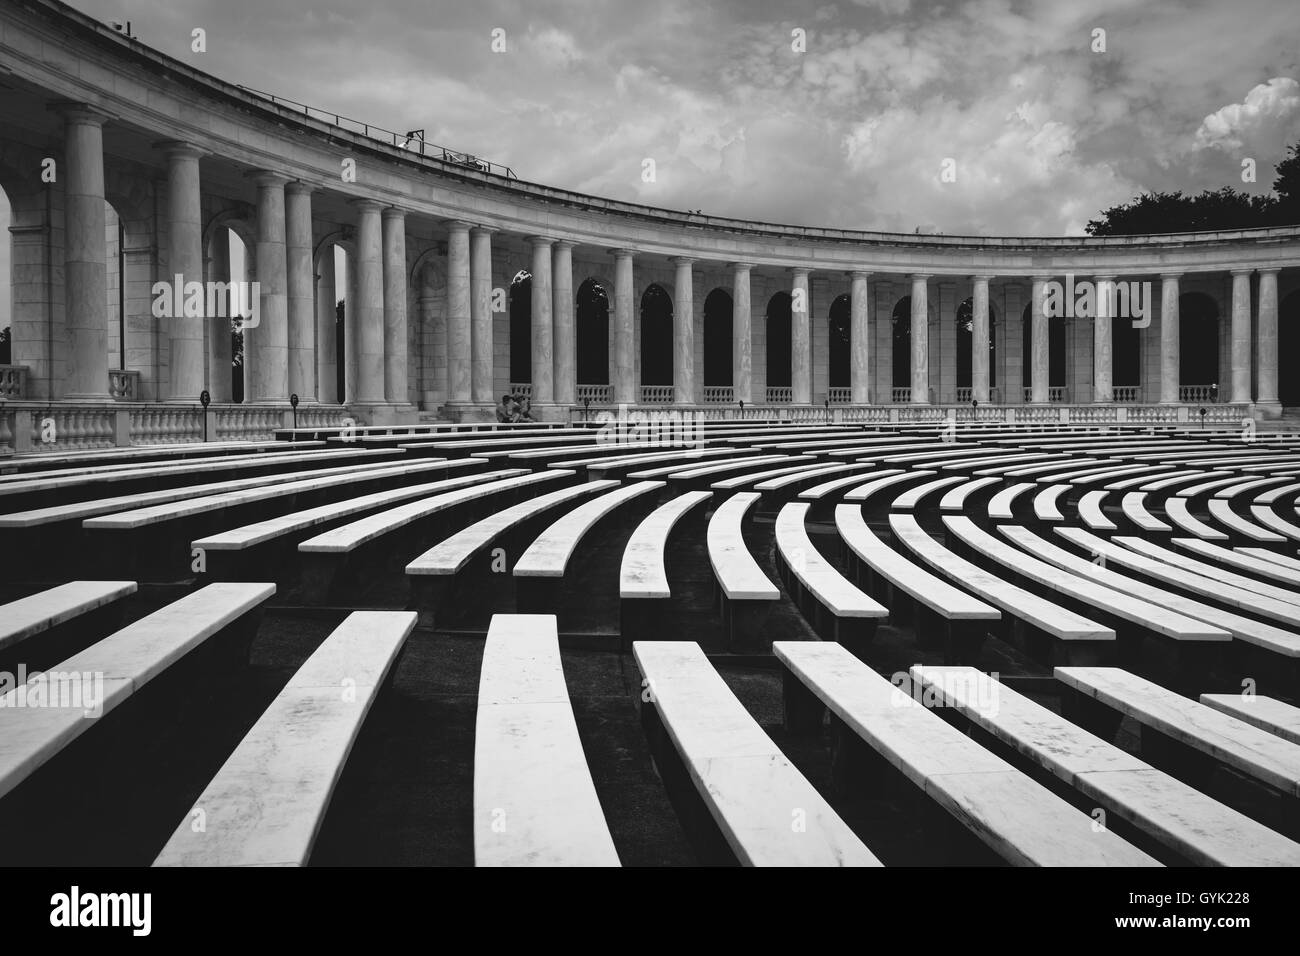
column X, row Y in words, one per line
column 415, row 144
column 165, row 69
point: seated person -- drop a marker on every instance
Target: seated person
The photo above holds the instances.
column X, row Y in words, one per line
column 507, row 411
column 523, row 409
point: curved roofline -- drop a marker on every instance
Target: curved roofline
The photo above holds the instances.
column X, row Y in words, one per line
column 104, row 34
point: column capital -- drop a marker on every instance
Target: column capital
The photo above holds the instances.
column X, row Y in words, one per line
column 741, row 266
column 1040, row 278
column 622, row 253
column 858, row 274
column 180, row 149
column 1242, row 271
column 83, row 113
column 982, row 277
column 798, row 271
column 458, row 225
column 394, row 212
column 1109, row 277
column 543, row 241
column 1170, row 276
column 1269, row 270
column 921, row 276
column 299, row 188
column 564, row 244
column 484, row 230
column 682, row 260
column 267, row 177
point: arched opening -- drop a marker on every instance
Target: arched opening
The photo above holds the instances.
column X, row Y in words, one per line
column 966, row 344
column 228, row 260
column 1288, row 346
column 1125, row 353
column 901, row 343
column 656, row 336
column 779, row 359
column 521, row 328
column 1198, row 346
column 717, row 338
column 6, row 265
column 840, row 342
column 592, row 321
column 1056, row 375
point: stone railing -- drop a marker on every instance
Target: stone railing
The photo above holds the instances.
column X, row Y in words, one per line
column 166, row 425
column 839, row 396
column 41, row 428
column 719, row 394
column 1056, row 394
column 251, row 423
column 596, row 394
column 900, row 396
column 13, row 383
column 1198, row 393
column 779, row 394
column 657, row 394
column 522, row 389
column 124, row 385
column 966, row 395
column 1126, row 393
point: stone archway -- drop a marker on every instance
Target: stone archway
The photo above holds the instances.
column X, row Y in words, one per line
column 656, row 336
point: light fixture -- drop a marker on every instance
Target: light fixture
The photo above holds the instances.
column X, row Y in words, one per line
column 415, row 134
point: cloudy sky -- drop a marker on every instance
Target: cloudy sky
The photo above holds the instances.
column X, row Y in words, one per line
column 855, row 131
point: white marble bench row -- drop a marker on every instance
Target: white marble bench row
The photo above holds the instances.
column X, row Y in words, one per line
column 754, row 794
column 260, row 532
column 266, row 804
column 534, row 800
column 126, row 661
column 1017, row 818
column 39, row 612
column 1249, row 749
column 1198, row 829
column 81, row 510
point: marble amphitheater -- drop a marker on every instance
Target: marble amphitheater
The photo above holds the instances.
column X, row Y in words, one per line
column 826, row 547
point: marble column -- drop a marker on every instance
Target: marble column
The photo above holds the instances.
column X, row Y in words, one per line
column 266, row 346
column 185, row 333
column 1102, row 360
column 301, row 298
column 395, row 357
column 562, row 314
column 459, row 352
column 624, row 356
column 859, row 339
column 326, row 331
column 480, row 311
column 218, row 327
column 1040, row 340
column 684, row 332
column 920, row 341
column 85, row 272
column 1241, row 335
column 1266, row 345
column 1169, row 328
column 801, row 338
column 979, row 339
column 368, row 313
column 543, row 345
column 742, row 360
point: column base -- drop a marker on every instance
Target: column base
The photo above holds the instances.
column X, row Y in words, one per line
column 383, row 413
column 1268, row 410
column 461, row 412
